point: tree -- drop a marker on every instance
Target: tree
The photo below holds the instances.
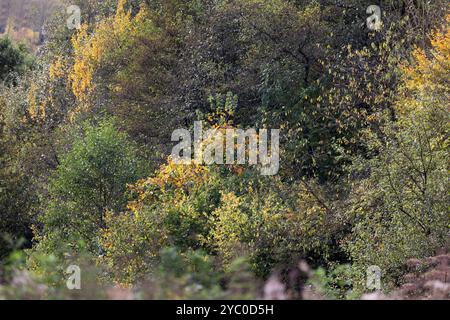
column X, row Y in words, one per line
column 401, row 208
column 15, row 201
column 90, row 180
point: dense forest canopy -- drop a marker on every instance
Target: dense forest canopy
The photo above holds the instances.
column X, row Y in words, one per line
column 87, row 116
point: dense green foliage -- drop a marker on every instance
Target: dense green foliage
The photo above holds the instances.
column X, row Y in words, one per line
column 13, row 59
column 14, row 219
column 90, row 180
column 85, row 141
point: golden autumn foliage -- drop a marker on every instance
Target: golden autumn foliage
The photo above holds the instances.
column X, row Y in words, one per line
column 170, row 177
column 111, row 37
column 134, row 238
column 427, row 80
column 57, row 68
